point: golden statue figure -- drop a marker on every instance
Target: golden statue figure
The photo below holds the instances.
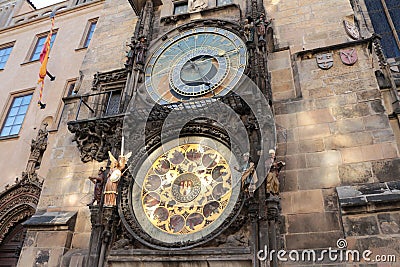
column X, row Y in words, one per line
column 116, row 167
column 273, row 174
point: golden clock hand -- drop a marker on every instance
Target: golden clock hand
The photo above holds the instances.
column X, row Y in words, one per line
column 226, row 52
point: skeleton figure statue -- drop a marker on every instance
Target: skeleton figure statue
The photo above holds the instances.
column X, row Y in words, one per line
column 261, row 27
column 116, row 167
column 248, row 29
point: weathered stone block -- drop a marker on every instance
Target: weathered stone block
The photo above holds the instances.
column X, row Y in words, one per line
column 389, row 223
column 368, row 95
column 315, row 240
column 294, row 162
column 390, row 244
column 360, row 225
column 347, row 126
column 288, row 181
column 316, row 145
column 376, row 122
column 348, row 140
column 313, row 131
column 330, row 199
column 372, row 152
column 313, row 222
column 350, row 155
column 318, row 178
column 279, row 60
column 314, row 117
column 377, row 106
column 319, row 93
column 386, row 170
column 390, row 150
column 80, row 240
column 351, row 111
column 291, row 148
column 326, row 158
column 286, row 121
column 58, row 238
column 355, row 173
column 305, row 201
column 383, row 135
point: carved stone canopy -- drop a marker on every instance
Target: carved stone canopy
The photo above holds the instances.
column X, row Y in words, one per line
column 96, row 137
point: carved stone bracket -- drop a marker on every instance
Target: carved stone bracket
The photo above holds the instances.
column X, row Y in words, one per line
column 273, row 208
column 96, row 137
column 101, row 78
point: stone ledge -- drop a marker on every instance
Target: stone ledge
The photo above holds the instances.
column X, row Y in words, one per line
column 64, row 220
column 369, row 197
column 303, row 54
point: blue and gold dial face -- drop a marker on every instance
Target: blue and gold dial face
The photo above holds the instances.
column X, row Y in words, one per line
column 202, row 62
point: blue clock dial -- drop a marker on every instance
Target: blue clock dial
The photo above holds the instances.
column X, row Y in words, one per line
column 202, row 62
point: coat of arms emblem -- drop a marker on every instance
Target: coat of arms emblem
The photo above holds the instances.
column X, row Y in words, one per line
column 349, row 56
column 351, row 30
column 325, row 61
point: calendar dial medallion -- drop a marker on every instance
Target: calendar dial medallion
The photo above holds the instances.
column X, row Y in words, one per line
column 187, row 192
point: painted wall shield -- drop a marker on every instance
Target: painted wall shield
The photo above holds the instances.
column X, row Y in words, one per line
column 325, row 61
column 349, row 56
column 351, row 30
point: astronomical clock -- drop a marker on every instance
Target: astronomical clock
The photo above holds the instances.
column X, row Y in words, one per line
column 201, row 62
column 188, row 190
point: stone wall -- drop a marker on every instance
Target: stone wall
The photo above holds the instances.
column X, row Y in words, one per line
column 108, row 47
column 308, row 24
column 66, row 186
column 333, row 128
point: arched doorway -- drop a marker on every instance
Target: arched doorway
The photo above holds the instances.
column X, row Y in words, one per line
column 11, row 246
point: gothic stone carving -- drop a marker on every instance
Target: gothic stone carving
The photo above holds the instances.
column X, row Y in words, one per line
column 108, row 77
column 96, row 137
column 125, row 210
column 38, row 146
column 18, row 203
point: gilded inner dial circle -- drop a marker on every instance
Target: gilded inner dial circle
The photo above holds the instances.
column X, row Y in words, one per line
column 186, row 189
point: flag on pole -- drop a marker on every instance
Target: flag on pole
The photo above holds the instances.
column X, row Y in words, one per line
column 44, row 58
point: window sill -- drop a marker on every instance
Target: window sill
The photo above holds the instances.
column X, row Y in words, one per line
column 80, row 49
column 9, row 137
column 29, row 62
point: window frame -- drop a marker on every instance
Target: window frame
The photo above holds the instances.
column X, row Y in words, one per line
column 5, row 46
column 85, row 36
column 389, row 21
column 218, row 5
column 35, row 43
column 180, row 3
column 7, row 108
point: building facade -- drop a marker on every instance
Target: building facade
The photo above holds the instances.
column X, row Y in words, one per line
column 197, row 97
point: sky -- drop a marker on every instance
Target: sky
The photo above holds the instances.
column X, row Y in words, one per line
column 43, row 3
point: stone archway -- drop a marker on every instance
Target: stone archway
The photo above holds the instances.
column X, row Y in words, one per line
column 17, row 203
column 11, row 246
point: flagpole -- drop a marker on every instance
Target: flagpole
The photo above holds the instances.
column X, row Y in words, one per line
column 44, row 58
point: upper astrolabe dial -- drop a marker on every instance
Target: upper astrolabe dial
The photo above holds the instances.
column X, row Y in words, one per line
column 201, row 62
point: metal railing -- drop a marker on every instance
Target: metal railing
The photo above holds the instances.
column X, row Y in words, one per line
column 98, row 105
